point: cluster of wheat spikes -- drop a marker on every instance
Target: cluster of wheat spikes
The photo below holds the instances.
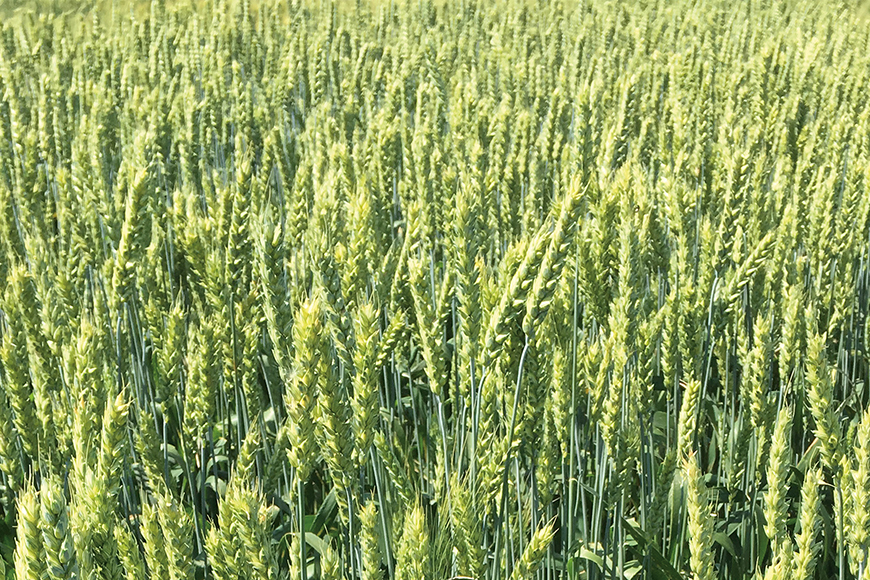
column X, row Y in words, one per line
column 497, row 290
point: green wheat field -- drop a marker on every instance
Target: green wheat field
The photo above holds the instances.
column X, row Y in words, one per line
column 433, row 290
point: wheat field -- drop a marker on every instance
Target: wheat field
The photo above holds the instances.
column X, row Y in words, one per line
column 490, row 290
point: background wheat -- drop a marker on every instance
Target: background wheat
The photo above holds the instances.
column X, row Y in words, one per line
column 454, row 289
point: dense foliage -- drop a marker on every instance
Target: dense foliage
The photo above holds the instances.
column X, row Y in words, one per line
column 495, row 290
